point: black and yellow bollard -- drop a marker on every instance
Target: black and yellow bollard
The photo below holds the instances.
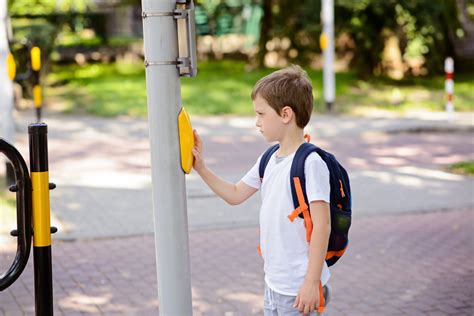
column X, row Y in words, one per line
column 41, row 219
column 35, row 54
column 31, row 71
column 33, row 217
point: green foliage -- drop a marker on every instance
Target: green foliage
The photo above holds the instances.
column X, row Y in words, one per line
column 7, row 208
column 421, row 27
column 43, row 21
column 39, row 32
column 300, row 22
column 22, row 7
column 364, row 21
column 72, row 39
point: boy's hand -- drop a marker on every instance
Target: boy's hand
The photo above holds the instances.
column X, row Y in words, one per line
column 198, row 164
column 307, row 300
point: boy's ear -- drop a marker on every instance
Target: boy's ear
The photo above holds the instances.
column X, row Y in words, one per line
column 287, row 114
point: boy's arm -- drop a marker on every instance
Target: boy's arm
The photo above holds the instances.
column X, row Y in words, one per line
column 308, row 296
column 231, row 193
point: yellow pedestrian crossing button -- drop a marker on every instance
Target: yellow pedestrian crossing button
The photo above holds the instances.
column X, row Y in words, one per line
column 186, row 141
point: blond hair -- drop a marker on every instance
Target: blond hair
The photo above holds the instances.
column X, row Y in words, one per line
column 291, row 87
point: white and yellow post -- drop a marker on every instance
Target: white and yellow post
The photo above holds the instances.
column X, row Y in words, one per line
column 7, row 73
column 168, row 30
column 327, row 46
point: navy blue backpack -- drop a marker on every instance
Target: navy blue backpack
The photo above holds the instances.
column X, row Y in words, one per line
column 340, row 197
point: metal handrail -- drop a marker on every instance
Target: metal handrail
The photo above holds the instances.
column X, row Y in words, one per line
column 23, row 233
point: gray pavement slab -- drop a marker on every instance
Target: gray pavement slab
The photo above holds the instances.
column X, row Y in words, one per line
column 102, row 168
column 399, row 264
column 404, row 258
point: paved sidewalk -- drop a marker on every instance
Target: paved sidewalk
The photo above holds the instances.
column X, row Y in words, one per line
column 102, row 168
column 402, row 264
column 412, row 240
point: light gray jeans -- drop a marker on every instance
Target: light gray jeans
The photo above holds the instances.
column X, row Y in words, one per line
column 275, row 304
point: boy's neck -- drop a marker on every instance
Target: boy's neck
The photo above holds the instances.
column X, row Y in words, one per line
column 291, row 142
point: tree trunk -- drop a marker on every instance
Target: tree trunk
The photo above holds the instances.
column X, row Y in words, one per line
column 464, row 47
column 264, row 32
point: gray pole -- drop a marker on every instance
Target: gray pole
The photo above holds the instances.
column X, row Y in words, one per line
column 6, row 87
column 7, row 126
column 169, row 190
column 329, row 81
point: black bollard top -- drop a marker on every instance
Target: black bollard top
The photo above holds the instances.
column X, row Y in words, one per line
column 38, row 128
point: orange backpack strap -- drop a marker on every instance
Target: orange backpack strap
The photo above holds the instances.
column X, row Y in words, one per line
column 302, row 208
column 321, row 298
column 307, row 137
column 331, row 254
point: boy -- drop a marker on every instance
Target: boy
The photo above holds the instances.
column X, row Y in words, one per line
column 294, row 268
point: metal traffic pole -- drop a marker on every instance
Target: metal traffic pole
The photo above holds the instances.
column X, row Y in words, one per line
column 164, row 66
column 7, row 128
column 327, row 45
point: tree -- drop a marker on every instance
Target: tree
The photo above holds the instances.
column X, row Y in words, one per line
column 296, row 21
column 463, row 37
column 422, row 28
column 22, row 7
column 266, row 25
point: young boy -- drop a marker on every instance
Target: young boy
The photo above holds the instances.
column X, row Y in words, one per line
column 294, row 268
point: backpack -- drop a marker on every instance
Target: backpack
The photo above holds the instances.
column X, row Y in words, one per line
column 340, row 196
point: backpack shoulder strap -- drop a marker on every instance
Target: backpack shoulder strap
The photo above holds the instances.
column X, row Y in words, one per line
column 266, row 158
column 298, row 187
column 297, row 170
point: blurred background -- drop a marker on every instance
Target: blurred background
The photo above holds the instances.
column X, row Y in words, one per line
column 411, row 163
column 389, row 54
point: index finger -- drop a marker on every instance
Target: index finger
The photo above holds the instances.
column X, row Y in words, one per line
column 197, row 139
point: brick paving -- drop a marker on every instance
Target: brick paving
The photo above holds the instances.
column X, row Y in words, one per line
column 401, row 264
column 404, row 258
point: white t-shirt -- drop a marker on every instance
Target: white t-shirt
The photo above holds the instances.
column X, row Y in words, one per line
column 283, row 243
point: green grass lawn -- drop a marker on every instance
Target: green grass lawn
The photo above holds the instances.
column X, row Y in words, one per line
column 464, row 167
column 407, row 95
column 224, row 87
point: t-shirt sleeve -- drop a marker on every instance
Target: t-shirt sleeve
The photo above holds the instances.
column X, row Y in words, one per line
column 252, row 178
column 317, row 179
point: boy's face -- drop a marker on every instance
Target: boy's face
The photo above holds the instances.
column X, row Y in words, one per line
column 269, row 122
